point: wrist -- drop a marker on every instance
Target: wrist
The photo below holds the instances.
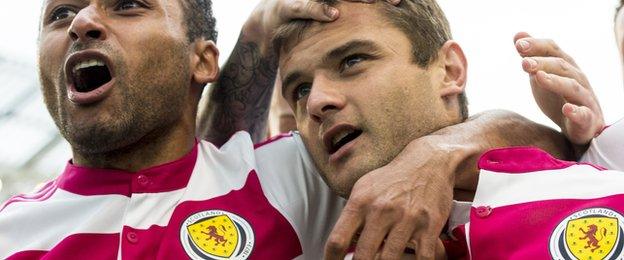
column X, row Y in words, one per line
column 447, row 152
column 254, row 31
column 461, row 152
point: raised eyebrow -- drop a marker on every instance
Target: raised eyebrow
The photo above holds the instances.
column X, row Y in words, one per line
column 290, row 78
column 341, row 51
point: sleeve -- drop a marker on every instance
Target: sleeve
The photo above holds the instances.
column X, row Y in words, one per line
column 605, row 150
column 529, row 205
column 292, row 184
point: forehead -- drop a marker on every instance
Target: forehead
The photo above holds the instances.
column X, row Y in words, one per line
column 354, row 19
column 357, row 21
column 169, row 6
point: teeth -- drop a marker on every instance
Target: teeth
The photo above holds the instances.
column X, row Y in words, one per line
column 339, row 137
column 87, row 64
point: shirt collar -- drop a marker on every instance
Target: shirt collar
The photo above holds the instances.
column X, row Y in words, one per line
column 162, row 178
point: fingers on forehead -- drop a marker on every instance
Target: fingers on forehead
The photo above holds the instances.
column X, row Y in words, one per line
column 308, row 9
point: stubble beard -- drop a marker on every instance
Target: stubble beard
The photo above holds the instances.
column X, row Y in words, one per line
column 377, row 155
column 150, row 101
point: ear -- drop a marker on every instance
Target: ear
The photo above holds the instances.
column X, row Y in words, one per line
column 204, row 62
column 455, row 66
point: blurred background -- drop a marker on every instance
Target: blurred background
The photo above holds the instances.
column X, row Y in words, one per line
column 31, row 150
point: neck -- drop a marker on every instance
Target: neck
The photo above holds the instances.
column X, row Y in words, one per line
column 158, row 147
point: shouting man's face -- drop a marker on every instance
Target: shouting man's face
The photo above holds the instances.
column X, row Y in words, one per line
column 113, row 71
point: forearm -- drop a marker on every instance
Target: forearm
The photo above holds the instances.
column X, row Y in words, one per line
column 240, row 99
column 467, row 141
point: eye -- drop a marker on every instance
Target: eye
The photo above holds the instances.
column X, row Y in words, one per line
column 351, row 61
column 301, row 91
column 61, row 13
column 127, row 5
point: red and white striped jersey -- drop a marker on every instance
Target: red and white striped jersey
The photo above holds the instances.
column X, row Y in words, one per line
column 606, row 149
column 236, row 202
column 529, row 205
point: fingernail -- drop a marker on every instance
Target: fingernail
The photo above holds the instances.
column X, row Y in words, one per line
column 395, row 2
column 523, row 45
column 331, row 12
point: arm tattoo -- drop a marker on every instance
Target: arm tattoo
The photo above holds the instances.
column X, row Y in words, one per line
column 241, row 97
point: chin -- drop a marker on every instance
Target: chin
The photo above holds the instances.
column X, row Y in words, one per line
column 344, row 180
column 99, row 139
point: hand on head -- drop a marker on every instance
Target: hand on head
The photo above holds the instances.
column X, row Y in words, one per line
column 270, row 14
column 560, row 88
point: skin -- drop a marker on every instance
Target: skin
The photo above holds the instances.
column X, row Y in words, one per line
column 362, row 90
column 123, row 38
column 405, row 201
column 148, row 118
column 240, row 99
column 421, row 101
column 561, row 89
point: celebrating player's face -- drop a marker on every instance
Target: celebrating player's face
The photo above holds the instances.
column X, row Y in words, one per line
column 357, row 95
column 112, row 72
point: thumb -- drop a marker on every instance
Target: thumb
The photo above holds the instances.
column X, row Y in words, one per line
column 580, row 123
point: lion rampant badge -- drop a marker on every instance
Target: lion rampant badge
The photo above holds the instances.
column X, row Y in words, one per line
column 216, row 234
column 594, row 233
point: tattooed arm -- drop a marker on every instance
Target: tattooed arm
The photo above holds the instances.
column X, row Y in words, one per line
column 240, row 98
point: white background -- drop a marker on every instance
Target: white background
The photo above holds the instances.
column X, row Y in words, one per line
column 485, row 29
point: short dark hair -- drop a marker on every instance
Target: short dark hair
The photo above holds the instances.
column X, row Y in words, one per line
column 199, row 20
column 422, row 21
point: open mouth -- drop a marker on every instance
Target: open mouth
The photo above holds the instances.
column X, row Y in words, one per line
column 90, row 74
column 342, row 138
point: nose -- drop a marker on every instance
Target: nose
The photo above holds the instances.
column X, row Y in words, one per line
column 87, row 26
column 325, row 98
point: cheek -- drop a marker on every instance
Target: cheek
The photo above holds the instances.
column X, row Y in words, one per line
column 51, row 53
column 309, row 135
column 51, row 58
column 157, row 58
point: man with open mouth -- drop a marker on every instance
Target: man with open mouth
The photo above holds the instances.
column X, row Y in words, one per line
column 122, row 80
